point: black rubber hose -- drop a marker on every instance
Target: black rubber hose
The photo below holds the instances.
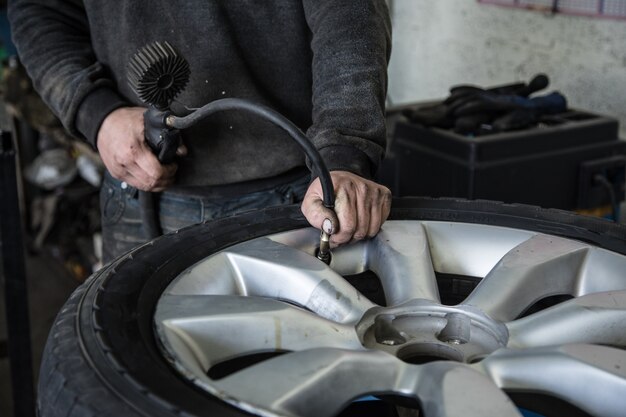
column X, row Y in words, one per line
column 149, row 215
column 273, row 116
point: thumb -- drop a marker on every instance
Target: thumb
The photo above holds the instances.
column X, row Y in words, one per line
column 318, row 215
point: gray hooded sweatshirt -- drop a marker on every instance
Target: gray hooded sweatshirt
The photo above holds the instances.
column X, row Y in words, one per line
column 321, row 63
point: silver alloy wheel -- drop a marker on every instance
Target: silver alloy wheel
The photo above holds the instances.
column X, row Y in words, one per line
column 271, row 295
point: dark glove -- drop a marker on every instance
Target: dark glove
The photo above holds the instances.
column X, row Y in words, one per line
column 469, row 109
column 530, row 112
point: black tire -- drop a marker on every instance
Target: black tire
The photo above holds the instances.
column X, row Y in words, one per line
column 101, row 358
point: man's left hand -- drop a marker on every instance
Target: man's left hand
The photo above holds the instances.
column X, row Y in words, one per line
column 361, row 207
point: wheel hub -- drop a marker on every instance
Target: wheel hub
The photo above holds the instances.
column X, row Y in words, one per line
column 421, row 331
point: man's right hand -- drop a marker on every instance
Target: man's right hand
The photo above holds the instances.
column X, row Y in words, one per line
column 126, row 154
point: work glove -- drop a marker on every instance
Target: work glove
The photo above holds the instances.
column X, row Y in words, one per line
column 473, row 110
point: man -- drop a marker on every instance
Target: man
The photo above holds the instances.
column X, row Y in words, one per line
column 321, row 63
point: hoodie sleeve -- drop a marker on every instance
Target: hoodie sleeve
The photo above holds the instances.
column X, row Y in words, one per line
column 351, row 43
column 54, row 44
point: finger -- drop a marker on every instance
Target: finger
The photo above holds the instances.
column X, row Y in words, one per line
column 386, row 204
column 170, row 175
column 363, row 210
column 347, row 215
column 157, row 185
column 376, row 220
column 377, row 213
column 147, row 161
column 131, row 180
column 167, row 179
column 136, row 182
column 162, row 186
column 314, row 210
column 150, row 172
column 148, row 182
column 120, row 173
column 130, row 174
column 318, row 215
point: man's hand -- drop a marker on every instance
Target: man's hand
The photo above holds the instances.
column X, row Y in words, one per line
column 126, row 154
column 361, row 207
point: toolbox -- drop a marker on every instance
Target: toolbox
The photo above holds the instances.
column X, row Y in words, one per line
column 554, row 164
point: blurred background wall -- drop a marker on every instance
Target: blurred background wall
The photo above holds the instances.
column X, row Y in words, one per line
column 441, row 43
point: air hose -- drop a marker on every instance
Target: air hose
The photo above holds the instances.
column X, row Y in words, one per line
column 316, row 161
column 157, row 74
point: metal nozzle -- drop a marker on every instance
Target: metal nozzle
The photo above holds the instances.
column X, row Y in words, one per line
column 323, row 253
column 169, row 120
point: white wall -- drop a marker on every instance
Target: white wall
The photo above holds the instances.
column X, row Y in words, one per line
column 440, row 43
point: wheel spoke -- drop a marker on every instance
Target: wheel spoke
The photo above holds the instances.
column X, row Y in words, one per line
column 603, row 271
column 313, row 383
column 470, row 249
column 321, row 382
column 452, row 389
column 540, row 267
column 266, row 268
column 595, row 318
column 592, row 378
column 400, row 255
column 220, row 327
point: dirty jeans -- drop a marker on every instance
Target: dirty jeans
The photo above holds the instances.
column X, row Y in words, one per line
column 122, row 228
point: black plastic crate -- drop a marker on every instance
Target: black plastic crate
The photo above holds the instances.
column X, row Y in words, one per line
column 540, row 166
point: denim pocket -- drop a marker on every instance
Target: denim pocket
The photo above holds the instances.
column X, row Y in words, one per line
column 112, row 203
